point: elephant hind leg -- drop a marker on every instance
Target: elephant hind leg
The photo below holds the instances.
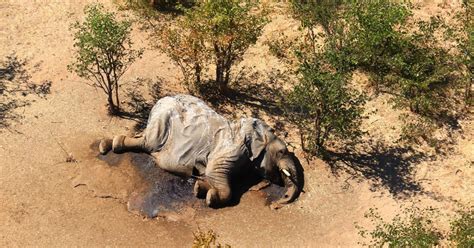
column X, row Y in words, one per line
column 105, row 146
column 121, row 143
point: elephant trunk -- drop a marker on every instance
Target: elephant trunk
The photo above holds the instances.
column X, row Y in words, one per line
column 292, row 174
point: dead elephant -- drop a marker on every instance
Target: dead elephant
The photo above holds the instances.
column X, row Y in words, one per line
column 188, row 138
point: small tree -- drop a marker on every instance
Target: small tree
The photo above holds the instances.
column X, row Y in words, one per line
column 219, row 31
column 323, row 106
column 103, row 51
column 185, row 45
column 322, row 103
column 402, row 56
column 230, row 28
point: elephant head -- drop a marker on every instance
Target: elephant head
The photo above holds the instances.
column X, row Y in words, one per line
column 275, row 162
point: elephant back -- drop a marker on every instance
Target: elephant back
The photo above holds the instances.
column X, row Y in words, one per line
column 184, row 130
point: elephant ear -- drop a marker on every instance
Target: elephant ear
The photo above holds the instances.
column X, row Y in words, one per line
column 259, row 137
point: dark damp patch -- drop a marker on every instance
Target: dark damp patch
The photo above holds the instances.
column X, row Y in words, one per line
column 242, row 184
column 274, row 192
column 95, row 146
column 163, row 192
column 156, row 192
column 110, row 158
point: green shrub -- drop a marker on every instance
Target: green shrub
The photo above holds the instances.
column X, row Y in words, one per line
column 419, row 130
column 412, row 228
column 103, row 51
column 463, row 37
column 462, row 229
column 402, row 56
column 323, row 107
column 322, row 103
column 316, row 12
column 213, row 32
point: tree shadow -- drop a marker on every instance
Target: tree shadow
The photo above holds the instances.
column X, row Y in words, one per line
column 139, row 105
column 171, row 7
column 389, row 167
column 241, row 184
column 15, row 86
column 248, row 91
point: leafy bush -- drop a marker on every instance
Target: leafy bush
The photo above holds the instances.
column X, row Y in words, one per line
column 103, row 51
column 185, row 45
column 463, row 37
column 323, row 106
column 462, row 229
column 412, row 228
column 402, row 57
column 313, row 13
column 217, row 32
column 417, row 130
column 322, row 103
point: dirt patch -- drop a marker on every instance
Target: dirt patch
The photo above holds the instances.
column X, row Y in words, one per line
column 135, row 180
column 162, row 193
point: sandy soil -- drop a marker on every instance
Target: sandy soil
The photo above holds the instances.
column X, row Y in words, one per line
column 45, row 201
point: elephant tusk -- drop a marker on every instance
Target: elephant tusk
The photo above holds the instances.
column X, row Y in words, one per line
column 287, row 173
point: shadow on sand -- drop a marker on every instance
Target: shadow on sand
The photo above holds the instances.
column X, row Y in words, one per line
column 248, row 91
column 15, row 85
column 389, row 167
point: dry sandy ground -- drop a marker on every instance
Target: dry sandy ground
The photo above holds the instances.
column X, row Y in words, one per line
column 47, row 202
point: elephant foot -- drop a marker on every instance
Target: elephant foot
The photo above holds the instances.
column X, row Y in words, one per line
column 200, row 189
column 212, row 198
column 105, row 146
column 217, row 197
column 118, row 144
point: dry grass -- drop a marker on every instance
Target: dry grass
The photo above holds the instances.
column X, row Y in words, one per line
column 206, row 239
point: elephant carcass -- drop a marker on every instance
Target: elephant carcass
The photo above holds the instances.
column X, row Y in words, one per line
column 187, row 137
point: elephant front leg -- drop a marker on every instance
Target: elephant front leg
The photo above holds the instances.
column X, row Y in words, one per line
column 218, row 173
column 201, row 187
column 219, row 193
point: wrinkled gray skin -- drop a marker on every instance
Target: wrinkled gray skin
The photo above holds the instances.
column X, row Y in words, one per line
column 188, row 138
